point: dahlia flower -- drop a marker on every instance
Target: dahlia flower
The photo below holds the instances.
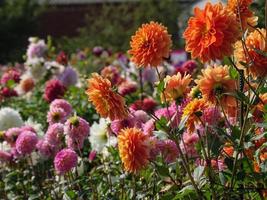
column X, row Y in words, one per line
column 169, row 151
column 112, row 74
column 65, row 160
column 193, row 112
column 56, row 115
column 11, row 74
column 55, row 133
column 26, row 142
column 12, row 134
column 150, row 45
column 127, row 87
column 214, row 83
column 54, row 89
column 45, row 148
column 133, row 149
column 106, row 101
column 9, row 118
column 176, row 87
column 99, row 136
column 62, row 58
column 242, row 11
column 68, row 77
column 63, row 104
column 36, row 48
column 147, row 104
column 257, row 62
column 76, row 128
column 211, row 33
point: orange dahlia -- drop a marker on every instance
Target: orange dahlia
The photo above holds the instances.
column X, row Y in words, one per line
column 241, row 10
column 176, row 86
column 255, row 42
column 193, row 112
column 214, row 83
column 150, row 44
column 211, row 33
column 258, row 111
column 106, row 101
column 134, row 149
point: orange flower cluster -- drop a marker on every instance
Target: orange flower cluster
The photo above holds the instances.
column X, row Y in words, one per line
column 106, row 101
column 214, row 83
column 134, row 149
column 176, row 86
column 211, row 33
column 150, row 44
column 242, row 12
column 192, row 112
column 253, row 53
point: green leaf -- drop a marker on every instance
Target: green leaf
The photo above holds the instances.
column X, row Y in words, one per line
column 233, row 72
column 162, row 124
column 163, row 170
column 160, row 87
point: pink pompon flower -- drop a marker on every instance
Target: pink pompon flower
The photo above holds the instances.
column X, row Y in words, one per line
column 26, row 142
column 212, row 116
column 11, row 74
column 54, row 89
column 75, row 143
column 127, row 87
column 61, row 103
column 5, row 156
column 45, row 148
column 76, row 128
column 65, row 160
column 12, row 134
column 169, row 151
column 56, row 115
column 27, row 128
column 54, row 133
column 148, row 127
column 117, row 125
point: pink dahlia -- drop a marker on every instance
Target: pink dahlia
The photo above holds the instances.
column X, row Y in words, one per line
column 26, row 142
column 56, row 115
column 54, row 133
column 54, row 89
column 12, row 74
column 212, row 116
column 12, row 134
column 45, row 148
column 112, row 74
column 75, row 143
column 77, row 127
column 65, row 160
column 62, row 103
column 169, row 151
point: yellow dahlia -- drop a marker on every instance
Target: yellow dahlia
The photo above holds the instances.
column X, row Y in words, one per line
column 253, row 54
column 176, row 86
column 193, row 112
column 134, row 149
column 150, row 44
column 211, row 33
column 106, row 101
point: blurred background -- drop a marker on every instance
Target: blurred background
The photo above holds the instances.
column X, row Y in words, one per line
column 79, row 24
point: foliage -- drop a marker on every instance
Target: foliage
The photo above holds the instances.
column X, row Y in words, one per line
column 19, row 20
column 107, row 27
